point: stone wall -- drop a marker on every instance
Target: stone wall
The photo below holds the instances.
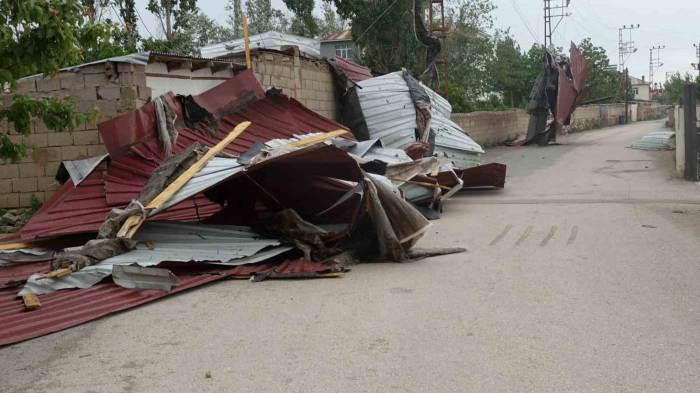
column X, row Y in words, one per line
column 111, row 88
column 493, row 128
column 653, row 111
column 307, row 80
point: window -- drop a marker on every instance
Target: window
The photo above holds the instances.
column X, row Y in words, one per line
column 344, row 50
column 636, row 91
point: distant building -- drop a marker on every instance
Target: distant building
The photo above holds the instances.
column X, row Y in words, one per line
column 339, row 44
column 641, row 89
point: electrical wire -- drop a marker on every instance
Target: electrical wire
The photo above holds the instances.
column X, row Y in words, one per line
column 517, row 9
column 376, row 20
column 142, row 22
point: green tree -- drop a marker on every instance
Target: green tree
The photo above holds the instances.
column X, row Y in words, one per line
column 303, row 22
column 262, row 17
column 470, row 50
column 37, row 37
column 603, row 80
column 199, row 30
column 172, row 15
column 383, row 32
column 674, row 86
column 508, row 76
column 235, row 18
column 330, row 21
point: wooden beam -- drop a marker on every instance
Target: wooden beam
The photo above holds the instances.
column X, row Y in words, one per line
column 31, row 301
column 318, row 138
column 246, row 42
column 133, row 223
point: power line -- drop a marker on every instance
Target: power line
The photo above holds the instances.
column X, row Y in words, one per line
column 376, row 20
column 517, row 9
column 142, row 22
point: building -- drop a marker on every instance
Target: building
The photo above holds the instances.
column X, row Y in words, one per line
column 339, row 44
column 640, row 88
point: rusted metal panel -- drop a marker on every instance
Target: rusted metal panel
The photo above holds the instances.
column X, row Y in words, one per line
column 354, row 71
column 64, row 309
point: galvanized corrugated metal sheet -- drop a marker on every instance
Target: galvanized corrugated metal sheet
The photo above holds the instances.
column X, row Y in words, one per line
column 180, row 242
column 658, row 140
column 171, row 242
column 215, row 171
column 388, row 110
column 390, row 116
column 269, row 40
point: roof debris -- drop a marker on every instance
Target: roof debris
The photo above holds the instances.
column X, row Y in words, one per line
column 180, row 200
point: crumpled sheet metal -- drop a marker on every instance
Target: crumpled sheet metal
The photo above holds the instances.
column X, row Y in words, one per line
column 170, row 242
column 137, row 277
column 182, row 242
column 65, row 309
column 571, row 91
column 215, row 171
column 79, row 170
column 354, row 71
column 137, row 152
column 390, row 115
column 398, row 224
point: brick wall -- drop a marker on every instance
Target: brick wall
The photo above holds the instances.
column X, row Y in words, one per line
column 307, row 80
column 493, row 128
column 112, row 88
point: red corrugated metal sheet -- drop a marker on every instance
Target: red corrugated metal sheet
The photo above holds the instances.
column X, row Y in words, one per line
column 67, row 308
column 132, row 142
column 354, row 71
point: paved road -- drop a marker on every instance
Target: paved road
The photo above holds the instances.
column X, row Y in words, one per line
column 583, row 276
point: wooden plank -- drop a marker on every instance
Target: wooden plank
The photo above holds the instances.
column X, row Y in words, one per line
column 31, row 301
column 133, row 223
column 196, row 167
column 15, row 246
column 318, row 138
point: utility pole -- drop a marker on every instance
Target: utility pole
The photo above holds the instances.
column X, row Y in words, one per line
column 627, row 93
column 625, row 47
column 654, row 62
column 559, row 8
column 697, row 54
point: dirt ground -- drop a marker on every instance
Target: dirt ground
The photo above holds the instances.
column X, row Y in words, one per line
column 583, row 275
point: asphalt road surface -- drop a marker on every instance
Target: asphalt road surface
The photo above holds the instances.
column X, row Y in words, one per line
column 583, row 275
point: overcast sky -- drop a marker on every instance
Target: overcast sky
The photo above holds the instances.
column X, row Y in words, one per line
column 673, row 23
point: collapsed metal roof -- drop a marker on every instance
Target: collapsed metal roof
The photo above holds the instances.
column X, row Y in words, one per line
column 132, row 142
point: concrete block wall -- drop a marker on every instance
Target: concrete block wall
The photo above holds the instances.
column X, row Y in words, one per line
column 307, row 80
column 493, row 128
column 111, row 88
column 595, row 116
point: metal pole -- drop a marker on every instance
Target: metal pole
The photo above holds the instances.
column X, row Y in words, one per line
column 691, row 132
column 627, row 94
